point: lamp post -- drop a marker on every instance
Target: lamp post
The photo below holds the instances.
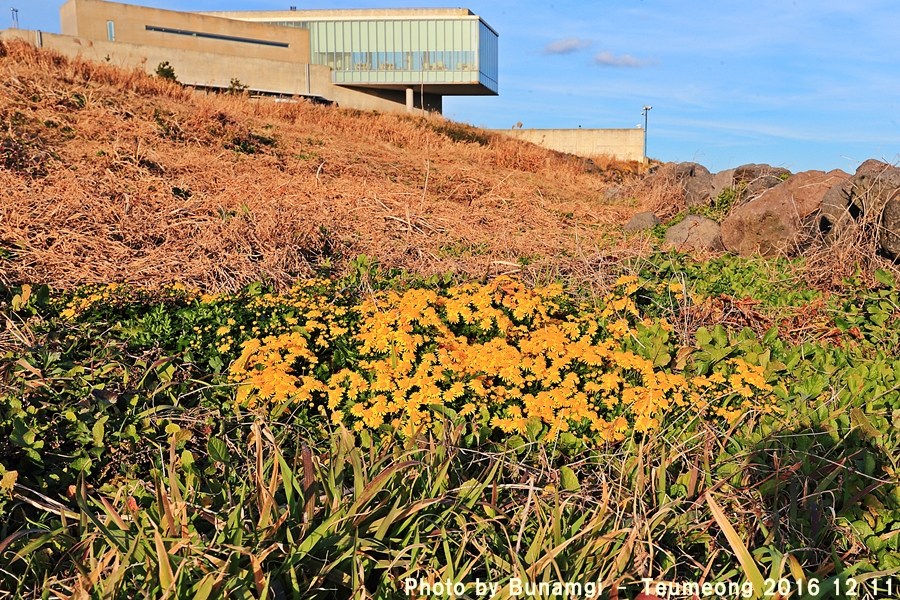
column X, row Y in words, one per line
column 15, row 17
column 645, row 112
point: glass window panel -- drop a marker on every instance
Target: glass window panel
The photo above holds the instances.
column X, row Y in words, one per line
column 436, row 36
column 348, row 45
column 380, row 43
column 319, row 37
column 362, row 37
column 431, row 40
column 448, row 36
column 406, row 36
column 372, row 42
column 387, row 33
column 328, row 40
column 337, row 40
column 421, row 35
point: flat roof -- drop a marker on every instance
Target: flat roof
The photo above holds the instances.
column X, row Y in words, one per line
column 341, row 14
column 347, row 14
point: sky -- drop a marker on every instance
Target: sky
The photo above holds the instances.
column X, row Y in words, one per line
column 799, row 84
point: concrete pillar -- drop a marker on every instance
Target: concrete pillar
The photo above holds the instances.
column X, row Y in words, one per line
column 410, row 94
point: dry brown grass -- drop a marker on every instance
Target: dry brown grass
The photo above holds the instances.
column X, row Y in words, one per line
column 112, row 175
column 660, row 193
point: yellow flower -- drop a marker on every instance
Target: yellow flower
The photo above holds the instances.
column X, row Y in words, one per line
column 468, row 409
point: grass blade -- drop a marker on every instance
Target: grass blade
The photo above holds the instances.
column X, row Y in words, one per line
column 737, row 546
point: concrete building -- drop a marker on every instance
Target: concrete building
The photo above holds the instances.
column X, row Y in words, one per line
column 623, row 144
column 393, row 60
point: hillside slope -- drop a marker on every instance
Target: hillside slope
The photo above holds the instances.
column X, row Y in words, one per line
column 111, row 175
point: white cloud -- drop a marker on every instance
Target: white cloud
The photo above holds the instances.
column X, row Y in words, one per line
column 567, row 45
column 608, row 59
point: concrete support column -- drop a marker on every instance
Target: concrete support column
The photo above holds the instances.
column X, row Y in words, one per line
column 410, row 94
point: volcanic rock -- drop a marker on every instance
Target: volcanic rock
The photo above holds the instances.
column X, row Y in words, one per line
column 772, row 223
column 695, row 232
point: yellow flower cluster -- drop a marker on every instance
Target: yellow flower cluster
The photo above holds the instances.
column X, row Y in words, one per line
column 101, row 294
column 118, row 293
column 501, row 354
column 266, row 370
column 279, row 367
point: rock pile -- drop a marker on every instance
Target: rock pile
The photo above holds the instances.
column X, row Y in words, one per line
column 774, row 212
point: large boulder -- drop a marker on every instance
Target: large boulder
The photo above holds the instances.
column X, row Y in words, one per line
column 772, row 223
column 754, row 179
column 869, row 198
column 696, row 181
column 694, row 232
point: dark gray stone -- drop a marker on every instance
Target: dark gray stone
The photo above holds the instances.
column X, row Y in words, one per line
column 721, row 180
column 696, row 181
column 695, row 232
column 755, row 179
column 870, row 196
column 642, row 220
column 889, row 238
column 612, row 193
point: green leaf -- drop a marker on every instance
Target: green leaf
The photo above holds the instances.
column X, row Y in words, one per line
column 166, row 371
column 884, row 277
column 720, row 335
column 702, row 336
column 187, row 460
column 218, row 450
column 875, row 543
column 533, row 428
column 97, row 432
column 82, row 464
column 22, row 435
column 662, row 359
column 516, row 442
column 770, row 336
column 568, row 479
column 216, row 364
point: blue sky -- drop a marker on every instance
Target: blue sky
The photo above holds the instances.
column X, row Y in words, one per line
column 798, row 84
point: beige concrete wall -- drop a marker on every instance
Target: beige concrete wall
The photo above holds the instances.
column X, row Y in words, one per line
column 88, row 18
column 624, row 144
column 192, row 68
column 68, row 20
column 215, row 70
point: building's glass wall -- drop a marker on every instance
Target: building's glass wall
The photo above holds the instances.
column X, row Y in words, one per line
column 404, row 51
column 488, row 67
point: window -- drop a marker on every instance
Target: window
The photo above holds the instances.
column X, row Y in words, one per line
column 111, row 31
column 216, row 36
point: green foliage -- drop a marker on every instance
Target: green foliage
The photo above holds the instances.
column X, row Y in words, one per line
column 124, row 461
column 722, row 204
column 460, row 132
column 236, row 88
column 166, row 71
